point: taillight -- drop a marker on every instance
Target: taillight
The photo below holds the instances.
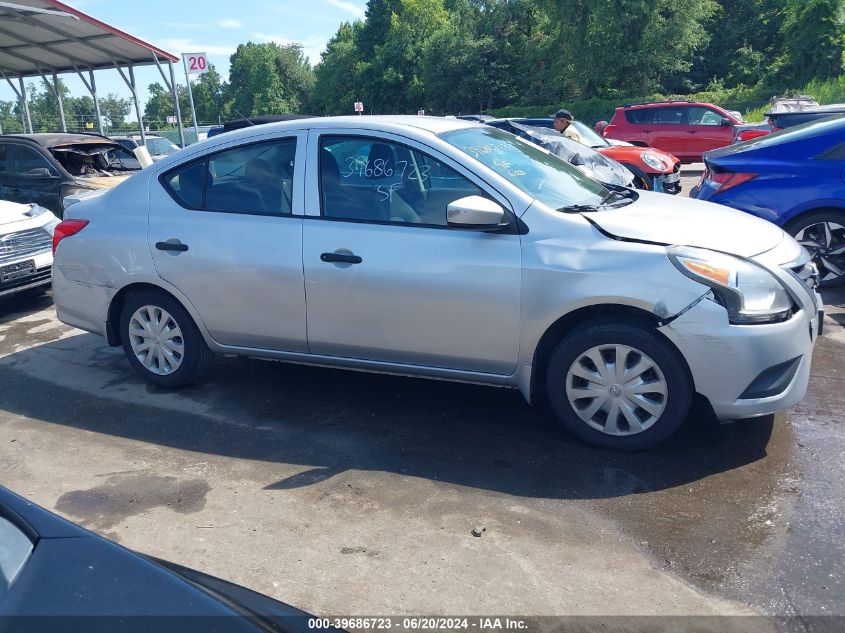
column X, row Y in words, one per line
column 608, row 129
column 727, row 179
column 65, row 229
column 747, row 135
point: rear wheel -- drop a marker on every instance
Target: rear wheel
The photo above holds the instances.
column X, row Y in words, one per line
column 822, row 233
column 618, row 385
column 161, row 340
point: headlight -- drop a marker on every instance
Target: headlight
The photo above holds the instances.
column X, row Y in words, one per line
column 750, row 293
column 653, row 161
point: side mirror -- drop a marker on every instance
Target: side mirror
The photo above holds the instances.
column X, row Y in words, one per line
column 725, row 122
column 474, row 212
column 38, row 172
column 577, row 160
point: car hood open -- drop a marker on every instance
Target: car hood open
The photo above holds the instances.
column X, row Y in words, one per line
column 663, row 219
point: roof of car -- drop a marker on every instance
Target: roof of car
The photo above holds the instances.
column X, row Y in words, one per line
column 432, row 124
column 666, row 103
column 53, row 139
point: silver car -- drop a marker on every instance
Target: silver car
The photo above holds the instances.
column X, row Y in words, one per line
column 444, row 249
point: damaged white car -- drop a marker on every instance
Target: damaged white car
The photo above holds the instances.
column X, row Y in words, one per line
column 445, row 249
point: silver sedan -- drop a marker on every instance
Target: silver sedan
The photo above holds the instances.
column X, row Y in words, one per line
column 443, row 249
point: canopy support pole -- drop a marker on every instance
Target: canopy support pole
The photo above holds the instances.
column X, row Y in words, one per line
column 130, row 82
column 54, row 88
column 171, row 86
column 26, row 106
column 18, row 95
column 176, row 101
column 92, row 88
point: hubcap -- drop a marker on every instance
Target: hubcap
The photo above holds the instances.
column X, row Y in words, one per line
column 826, row 243
column 156, row 340
column 616, row 389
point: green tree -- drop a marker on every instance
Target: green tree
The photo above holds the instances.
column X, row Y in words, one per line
column 160, row 105
column 336, row 85
column 10, row 116
column 813, row 37
column 115, row 109
column 209, row 96
column 392, row 79
column 744, row 39
column 269, row 79
column 617, row 47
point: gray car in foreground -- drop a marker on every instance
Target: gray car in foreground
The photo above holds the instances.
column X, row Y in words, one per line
column 445, row 249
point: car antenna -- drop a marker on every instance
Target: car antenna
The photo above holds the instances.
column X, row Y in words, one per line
column 243, row 117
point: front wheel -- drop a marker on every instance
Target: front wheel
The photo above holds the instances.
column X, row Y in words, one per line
column 641, row 179
column 161, row 340
column 617, row 385
column 822, row 233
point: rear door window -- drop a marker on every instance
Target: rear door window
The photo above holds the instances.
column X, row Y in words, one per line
column 254, row 179
column 667, row 116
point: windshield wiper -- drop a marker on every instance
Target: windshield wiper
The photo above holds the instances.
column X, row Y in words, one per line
column 579, row 208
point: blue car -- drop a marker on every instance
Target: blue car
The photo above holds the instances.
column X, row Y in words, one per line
column 794, row 178
column 56, row 576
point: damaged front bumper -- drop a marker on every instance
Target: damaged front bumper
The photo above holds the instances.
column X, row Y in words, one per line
column 745, row 370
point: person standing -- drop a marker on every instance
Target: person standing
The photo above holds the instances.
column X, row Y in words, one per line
column 563, row 124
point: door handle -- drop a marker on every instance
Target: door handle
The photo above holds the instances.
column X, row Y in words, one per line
column 340, row 258
column 691, row 132
column 172, row 246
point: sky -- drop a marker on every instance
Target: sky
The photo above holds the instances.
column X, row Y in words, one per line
column 214, row 27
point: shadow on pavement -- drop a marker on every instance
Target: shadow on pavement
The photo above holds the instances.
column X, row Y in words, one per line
column 16, row 306
column 332, row 421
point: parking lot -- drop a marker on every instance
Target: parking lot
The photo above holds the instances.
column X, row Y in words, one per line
column 347, row 492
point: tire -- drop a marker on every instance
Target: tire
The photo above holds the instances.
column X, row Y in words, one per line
column 641, row 179
column 809, row 230
column 185, row 356
column 640, row 346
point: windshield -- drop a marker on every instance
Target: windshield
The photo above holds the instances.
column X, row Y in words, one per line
column 95, row 159
column 589, row 136
column 535, row 171
column 158, row 146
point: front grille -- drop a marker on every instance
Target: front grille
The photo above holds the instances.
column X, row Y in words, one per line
column 24, row 244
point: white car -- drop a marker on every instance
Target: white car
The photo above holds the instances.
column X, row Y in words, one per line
column 26, row 238
column 158, row 146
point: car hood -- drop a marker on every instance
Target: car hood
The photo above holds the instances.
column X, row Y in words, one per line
column 13, row 212
column 656, row 217
column 631, row 153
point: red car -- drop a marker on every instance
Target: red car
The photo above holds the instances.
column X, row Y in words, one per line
column 686, row 129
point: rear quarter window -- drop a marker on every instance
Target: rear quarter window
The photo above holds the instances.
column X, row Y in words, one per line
column 186, row 184
column 638, row 115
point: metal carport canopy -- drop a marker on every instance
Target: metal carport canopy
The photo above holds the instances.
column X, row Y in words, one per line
column 39, row 38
